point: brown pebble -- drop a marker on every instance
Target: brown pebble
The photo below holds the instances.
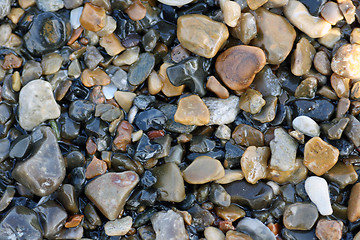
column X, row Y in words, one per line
column 62, row 89
column 16, row 81
column 11, row 61
column 136, row 11
column 275, row 228
column 84, row 41
column 75, row 35
column 74, row 221
column 238, row 65
column 179, row 53
column 96, row 95
column 353, row 211
column 355, row 108
column 216, row 87
column 246, row 135
column 123, row 136
column 346, row 61
column 112, row 45
column 231, row 213
column 226, row 226
column 234, row 235
column 155, row 134
column 94, row 77
column 341, row 85
column 26, row 3
column 15, row 15
column 184, row 138
column 168, row 89
column 329, row 229
column 302, row 58
column 95, row 168
column 90, row 146
column 322, row 63
column 342, row 107
column 254, row 163
column 93, row 18
column 192, row 110
column 342, row 175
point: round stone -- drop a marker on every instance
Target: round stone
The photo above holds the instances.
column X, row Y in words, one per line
column 300, row 216
column 203, row 170
column 346, row 61
column 307, row 126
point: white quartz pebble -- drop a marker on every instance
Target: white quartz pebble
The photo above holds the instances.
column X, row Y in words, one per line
column 75, row 17
column 306, row 126
column 318, row 191
column 109, row 90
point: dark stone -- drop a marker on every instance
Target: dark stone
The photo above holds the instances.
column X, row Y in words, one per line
column 5, row 113
column 298, row 235
column 199, row 8
column 192, row 72
column 318, row 109
column 289, row 82
column 20, row 223
column 201, row 217
column 314, row 6
column 172, row 126
column 201, row 144
column 288, row 193
column 150, row 119
column 145, row 149
column 144, row 217
column 277, row 209
column 169, row 13
column 256, row 196
column 141, row 69
column 78, row 179
column 81, row 110
column 20, row 147
column 77, row 91
column 48, row 33
column 345, row 147
column 67, row 197
column 120, row 4
column 148, row 179
column 142, row 197
column 167, row 32
column 74, row 159
column 4, row 149
column 217, row 154
column 96, row 127
column 121, row 162
column 219, row 196
column 150, row 39
column 69, row 128
column 143, row 101
column 188, row 202
column 131, row 40
column 233, row 154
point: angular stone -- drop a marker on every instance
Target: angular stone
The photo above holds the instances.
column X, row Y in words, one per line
column 255, row 229
column 169, row 225
column 93, row 18
column 317, row 109
column 318, row 191
column 268, row 111
column 322, row 63
column 302, row 58
column 267, row 83
column 222, row 111
column 192, row 111
column 335, row 128
column 251, row 101
column 123, row 136
column 341, row 85
column 125, row 99
column 300, row 216
column 254, row 163
column 246, row 135
column 110, row 191
column 283, row 151
column 44, row 171
column 352, row 130
column 201, row 35
column 275, row 35
column 231, row 67
column 167, row 87
column 231, row 213
column 136, row 11
column 50, row 6
column 92, row 57
column 118, row 227
column 169, row 110
column 5, row 7
column 216, row 87
column 307, row 88
column 306, row 126
column 319, row 156
column 342, row 175
column 346, row 61
column 141, row 69
column 95, row 168
column 329, row 229
column 203, row 170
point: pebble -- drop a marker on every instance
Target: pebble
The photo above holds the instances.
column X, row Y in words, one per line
column 251, row 101
column 118, row 227
column 283, row 151
column 234, row 235
column 277, row 35
column 92, row 57
column 50, row 6
column 335, row 128
column 201, row 35
column 93, row 18
column 169, row 226
column 51, row 63
column 254, row 163
column 201, row 144
column 230, row 176
column 331, row 13
column 167, row 87
column 192, row 110
column 109, row 28
column 75, row 17
column 352, row 130
column 246, row 135
column 214, row 86
column 5, row 149
column 170, row 183
column 306, row 126
column 222, row 111
column 319, row 156
column 110, row 200
column 342, row 175
column 42, row 174
column 128, row 57
column 42, row 106
column 150, row 119
column 81, row 110
column 213, row 233
column 341, row 85
column 307, row 88
column 300, row 216
column 268, row 111
column 136, row 11
column 203, row 170
column 255, row 229
column 329, row 229
column 124, row 99
column 31, row 70
column 95, row 168
column 322, row 63
column 318, row 191
column 177, row 3
column 267, row 83
column 111, row 44
column 231, row 11
column 94, row 77
column 223, row 132
column 316, row 109
column 141, row 69
column 348, row 10
column 345, row 61
column 109, row 91
column 229, row 65
column 71, row 4
column 353, row 210
column 5, row 7
column 302, row 58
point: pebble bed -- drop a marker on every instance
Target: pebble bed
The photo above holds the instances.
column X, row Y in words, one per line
column 180, row 119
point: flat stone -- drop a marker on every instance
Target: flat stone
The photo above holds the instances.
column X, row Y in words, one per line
column 231, row 68
column 319, row 156
column 93, row 18
column 118, row 227
column 302, row 58
column 268, row 111
column 307, row 88
column 124, row 99
column 341, row 85
column 201, row 35
column 110, row 200
column 123, row 136
column 213, row 233
column 267, row 82
column 203, row 170
column 276, row 35
column 70, row 4
column 251, row 101
column 254, row 163
column 283, row 151
column 95, row 168
column 192, row 111
column 329, row 229
column 246, row 29
column 42, row 106
column 353, row 210
column 222, row 111
column 94, row 77
column 92, row 57
column 300, row 216
column 169, row 226
column 335, row 128
column 230, row 213
column 342, row 174
column 255, row 229
column 44, row 171
column 317, row 109
column 51, row 63
column 136, row 11
column 306, row 125
column 141, row 69
column 318, row 191
column 346, row 61
column 202, row 218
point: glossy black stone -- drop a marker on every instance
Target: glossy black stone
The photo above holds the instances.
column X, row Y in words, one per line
column 20, row 147
column 81, row 110
column 167, row 32
column 314, row 6
column 4, row 149
column 69, row 129
column 199, row 8
column 318, row 109
column 141, row 69
column 345, row 147
column 146, row 149
column 77, row 91
column 144, row 217
column 201, row 144
column 150, row 119
column 78, row 179
column 74, row 159
column 142, row 197
column 143, row 101
column 96, row 127
column 288, row 193
column 233, row 154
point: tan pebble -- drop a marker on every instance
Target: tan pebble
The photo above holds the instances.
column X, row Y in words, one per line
column 301, row 59
column 136, row 11
column 15, row 15
column 355, row 36
column 251, row 101
column 342, row 175
column 123, row 136
column 51, row 63
column 346, row 61
column 331, row 12
column 268, row 112
column 95, row 168
column 231, row 213
column 234, row 235
column 246, row 135
column 276, row 3
column 348, row 10
column 322, row 63
column 11, row 61
column 125, row 99
column 341, row 85
column 216, row 87
column 355, row 91
column 16, row 81
column 167, row 88
column 353, row 211
column 329, row 40
column 109, row 28
column 246, row 28
column 231, row 67
column 128, row 57
column 192, row 110
column 254, row 163
column 94, row 77
column 327, row 92
column 135, row 136
column 297, row 174
column 112, row 44
column 319, row 156
column 329, row 229
column 230, row 176
column 231, row 11
column 213, row 233
column 154, row 83
column 255, row 4
column 342, row 107
column 201, row 35
column 93, row 18
column 26, row 3
column 14, row 41
column 203, row 170
column 179, row 53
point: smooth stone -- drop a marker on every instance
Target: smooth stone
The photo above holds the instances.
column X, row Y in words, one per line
column 318, row 191
column 51, row 63
column 256, row 196
column 93, row 18
column 298, row 235
column 215, row 86
column 230, row 213
column 233, row 154
column 268, row 111
column 340, row 85
column 254, row 163
column 231, row 68
column 111, row 200
column 144, row 101
column 109, row 90
column 283, row 151
column 176, row 3
column 222, row 111
column 342, row 175
column 170, row 183
column 213, row 233
column 150, row 119
column 169, row 226
column 352, row 130
column 319, row 156
column 329, row 229
column 66, row 195
column 346, row 61
column 44, row 171
column 201, row 35
column 255, row 229
column 246, row 135
column 318, row 109
column 251, row 101
column 169, row 110
column 92, row 57
column 167, row 87
column 118, row 227
column 128, row 57
column 219, row 196
column 70, row 4
column 69, row 129
column 307, row 88
column 353, row 210
column 246, row 29
column 20, row 221
column 230, row 176
column 5, row 149
column 192, row 111
column 203, row 170
column 119, row 78
column 125, row 99
column 306, row 125
column 300, row 216
column 81, row 110
column 50, row 6
column 201, row 144
column 276, row 35
column 223, row 132
column 202, row 218
column 141, row 69
column 302, row 58
column 31, row 70
column 7, row 197
column 314, row 6
column 234, row 235
column 94, row 77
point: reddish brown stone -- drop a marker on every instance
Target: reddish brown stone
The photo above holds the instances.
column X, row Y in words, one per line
column 75, row 35
column 94, row 77
column 96, row 95
column 123, row 136
column 155, row 134
column 274, row 228
column 11, row 61
column 136, row 11
column 95, row 168
column 329, row 229
column 179, row 53
column 226, row 226
column 93, row 18
column 84, row 41
column 246, row 135
column 91, row 146
column 216, row 87
column 74, row 221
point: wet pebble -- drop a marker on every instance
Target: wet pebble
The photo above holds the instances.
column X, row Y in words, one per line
column 118, row 227
column 318, row 109
column 306, row 125
column 222, row 111
column 353, row 211
column 255, row 229
column 318, row 191
column 202, row 170
column 254, row 163
column 329, row 229
column 246, row 135
column 192, row 111
column 141, row 69
column 150, row 119
column 81, row 110
column 212, row 233
column 300, row 216
column 169, row 225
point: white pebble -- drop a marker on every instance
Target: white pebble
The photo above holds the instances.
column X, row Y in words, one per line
column 318, row 191
column 109, row 90
column 275, row 187
column 118, row 227
column 306, row 126
column 132, row 114
column 75, row 17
